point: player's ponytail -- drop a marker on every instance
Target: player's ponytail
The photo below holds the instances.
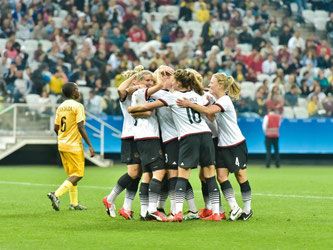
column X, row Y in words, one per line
column 188, row 80
column 229, row 84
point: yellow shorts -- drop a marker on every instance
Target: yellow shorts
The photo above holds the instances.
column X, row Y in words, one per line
column 73, row 162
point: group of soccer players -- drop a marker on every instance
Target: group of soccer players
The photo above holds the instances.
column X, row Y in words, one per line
column 172, row 125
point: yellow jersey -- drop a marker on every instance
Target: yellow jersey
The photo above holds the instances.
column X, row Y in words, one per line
column 56, row 84
column 69, row 114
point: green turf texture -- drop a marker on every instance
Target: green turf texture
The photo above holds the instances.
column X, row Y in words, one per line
column 27, row 220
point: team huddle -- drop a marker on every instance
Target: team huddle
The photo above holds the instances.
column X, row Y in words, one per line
column 172, row 125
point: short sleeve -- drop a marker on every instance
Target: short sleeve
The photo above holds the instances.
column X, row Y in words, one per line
column 223, row 103
column 79, row 112
column 169, row 99
column 57, row 119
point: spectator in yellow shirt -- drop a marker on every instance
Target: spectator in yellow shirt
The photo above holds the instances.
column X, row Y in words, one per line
column 203, row 14
column 56, row 83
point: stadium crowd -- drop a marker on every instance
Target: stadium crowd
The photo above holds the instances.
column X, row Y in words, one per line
column 46, row 43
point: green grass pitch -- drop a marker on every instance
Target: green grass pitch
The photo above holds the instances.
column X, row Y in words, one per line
column 292, row 206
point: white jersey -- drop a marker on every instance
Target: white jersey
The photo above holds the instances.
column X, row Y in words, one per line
column 187, row 120
column 128, row 124
column 144, row 128
column 209, row 100
column 165, row 118
column 229, row 132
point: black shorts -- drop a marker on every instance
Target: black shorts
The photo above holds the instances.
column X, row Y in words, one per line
column 151, row 155
column 196, row 149
column 129, row 152
column 233, row 158
column 216, row 142
column 171, row 150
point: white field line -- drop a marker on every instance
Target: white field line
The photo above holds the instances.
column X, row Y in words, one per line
column 196, row 191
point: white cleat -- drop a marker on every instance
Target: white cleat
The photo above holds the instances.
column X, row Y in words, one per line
column 110, row 208
column 235, row 213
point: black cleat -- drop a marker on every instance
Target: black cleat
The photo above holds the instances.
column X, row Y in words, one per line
column 55, row 201
column 143, row 218
column 78, row 207
column 245, row 216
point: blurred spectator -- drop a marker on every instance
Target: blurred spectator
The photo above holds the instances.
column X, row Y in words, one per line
column 296, row 42
column 255, row 61
column 203, row 14
column 165, row 29
column 275, row 101
column 328, row 106
column 291, row 97
column 177, row 34
column 57, row 81
column 224, row 13
column 269, row 66
column 317, row 92
column 185, row 12
column 315, row 108
column 236, row 21
column 305, row 90
column 94, row 103
column 329, row 27
column 285, row 35
column 259, row 104
column 137, row 34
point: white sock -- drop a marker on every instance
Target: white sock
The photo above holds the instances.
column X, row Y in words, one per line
column 247, row 206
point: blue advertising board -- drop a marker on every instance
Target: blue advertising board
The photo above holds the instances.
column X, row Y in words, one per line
column 297, row 136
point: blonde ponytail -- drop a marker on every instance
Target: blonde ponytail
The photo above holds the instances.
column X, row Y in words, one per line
column 229, row 84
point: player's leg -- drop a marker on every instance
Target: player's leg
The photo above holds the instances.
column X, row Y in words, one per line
column 163, row 196
column 268, row 145
column 155, row 185
column 246, row 194
column 180, row 190
column 172, row 180
column 135, row 172
column 207, row 211
column 228, row 192
column 213, row 192
column 207, row 161
column 143, row 193
column 192, row 213
column 130, row 156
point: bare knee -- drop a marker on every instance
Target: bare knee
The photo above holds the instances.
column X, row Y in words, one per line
column 159, row 174
column 241, row 176
column 134, row 171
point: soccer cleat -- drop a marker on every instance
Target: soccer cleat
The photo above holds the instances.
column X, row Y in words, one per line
column 205, row 212
column 222, row 215
column 143, row 218
column 178, row 217
column 235, row 213
column 55, row 201
column 171, row 216
column 162, row 212
column 109, row 207
column 213, row 217
column 128, row 215
column 156, row 216
column 189, row 215
column 245, row 216
column 78, row 207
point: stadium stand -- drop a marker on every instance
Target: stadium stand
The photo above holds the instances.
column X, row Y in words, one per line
column 46, row 43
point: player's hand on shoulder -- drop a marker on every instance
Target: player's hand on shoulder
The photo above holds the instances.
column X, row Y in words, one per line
column 92, row 152
column 183, row 103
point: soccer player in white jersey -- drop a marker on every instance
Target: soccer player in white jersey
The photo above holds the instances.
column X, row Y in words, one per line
column 147, row 136
column 232, row 152
column 129, row 152
column 170, row 147
column 195, row 141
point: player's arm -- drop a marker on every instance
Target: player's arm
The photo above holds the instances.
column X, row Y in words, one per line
column 56, row 128
column 159, row 79
column 122, row 89
column 208, row 111
column 145, row 114
column 83, row 133
column 146, row 107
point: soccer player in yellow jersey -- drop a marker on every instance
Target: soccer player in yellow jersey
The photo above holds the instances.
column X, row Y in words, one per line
column 69, row 126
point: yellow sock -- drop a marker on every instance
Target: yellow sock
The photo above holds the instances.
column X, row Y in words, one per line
column 63, row 188
column 73, row 195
